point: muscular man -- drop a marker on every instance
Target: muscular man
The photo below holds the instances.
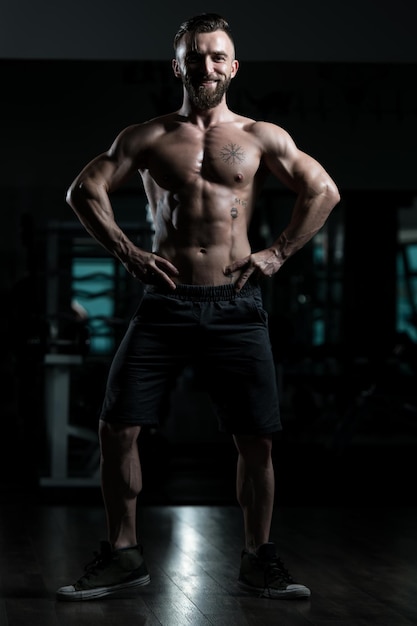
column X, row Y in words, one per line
column 202, row 169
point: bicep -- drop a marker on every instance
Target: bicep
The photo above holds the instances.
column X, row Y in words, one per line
column 105, row 171
column 293, row 167
column 111, row 168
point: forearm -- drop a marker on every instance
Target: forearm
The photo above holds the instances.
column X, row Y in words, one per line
column 91, row 204
column 309, row 215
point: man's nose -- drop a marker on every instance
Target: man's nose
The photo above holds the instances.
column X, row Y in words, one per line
column 207, row 64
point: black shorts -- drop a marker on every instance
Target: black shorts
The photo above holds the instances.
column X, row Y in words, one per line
column 222, row 334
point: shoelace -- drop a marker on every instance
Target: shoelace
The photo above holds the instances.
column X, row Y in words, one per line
column 98, row 563
column 275, row 570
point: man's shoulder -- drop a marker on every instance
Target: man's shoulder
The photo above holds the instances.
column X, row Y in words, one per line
column 259, row 128
column 264, row 126
column 148, row 129
column 269, row 134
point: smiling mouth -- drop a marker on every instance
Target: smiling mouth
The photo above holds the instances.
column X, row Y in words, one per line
column 207, row 81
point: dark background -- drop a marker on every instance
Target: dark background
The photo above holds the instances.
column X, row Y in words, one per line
column 343, row 83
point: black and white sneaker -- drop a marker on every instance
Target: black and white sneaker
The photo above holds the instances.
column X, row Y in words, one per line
column 109, row 572
column 265, row 575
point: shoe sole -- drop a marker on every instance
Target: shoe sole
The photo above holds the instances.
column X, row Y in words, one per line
column 287, row 594
column 101, row 592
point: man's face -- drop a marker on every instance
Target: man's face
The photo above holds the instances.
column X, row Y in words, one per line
column 206, row 65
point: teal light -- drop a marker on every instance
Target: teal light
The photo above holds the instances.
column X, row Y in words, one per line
column 407, row 291
column 92, row 288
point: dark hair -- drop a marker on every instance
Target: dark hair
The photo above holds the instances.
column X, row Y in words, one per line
column 203, row 23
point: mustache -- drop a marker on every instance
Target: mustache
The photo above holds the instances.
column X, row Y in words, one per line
column 204, row 77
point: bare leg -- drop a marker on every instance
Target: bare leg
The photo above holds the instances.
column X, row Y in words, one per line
column 255, row 484
column 121, row 481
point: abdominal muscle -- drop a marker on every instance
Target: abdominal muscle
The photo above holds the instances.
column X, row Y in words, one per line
column 202, row 255
column 202, row 266
column 200, row 230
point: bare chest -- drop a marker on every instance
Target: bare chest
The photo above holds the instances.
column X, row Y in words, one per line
column 226, row 158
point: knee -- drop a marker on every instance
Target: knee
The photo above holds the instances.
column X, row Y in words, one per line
column 254, row 449
column 117, row 438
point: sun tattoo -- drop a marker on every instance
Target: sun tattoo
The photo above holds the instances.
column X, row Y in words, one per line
column 232, row 153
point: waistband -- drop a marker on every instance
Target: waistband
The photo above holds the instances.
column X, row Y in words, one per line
column 205, row 293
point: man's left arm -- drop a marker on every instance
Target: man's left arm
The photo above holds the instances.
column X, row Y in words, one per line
column 316, row 196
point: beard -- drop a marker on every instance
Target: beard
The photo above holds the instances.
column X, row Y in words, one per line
column 205, row 98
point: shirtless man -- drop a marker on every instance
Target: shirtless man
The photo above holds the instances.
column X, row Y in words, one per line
column 202, row 169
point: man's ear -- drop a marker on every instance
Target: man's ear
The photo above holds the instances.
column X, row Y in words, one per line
column 175, row 68
column 235, row 67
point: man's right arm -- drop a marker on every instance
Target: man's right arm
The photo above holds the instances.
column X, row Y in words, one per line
column 88, row 196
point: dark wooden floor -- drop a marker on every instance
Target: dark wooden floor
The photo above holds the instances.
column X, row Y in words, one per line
column 361, row 565
column 358, row 556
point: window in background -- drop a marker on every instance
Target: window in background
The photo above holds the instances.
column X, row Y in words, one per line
column 93, row 289
column 407, row 289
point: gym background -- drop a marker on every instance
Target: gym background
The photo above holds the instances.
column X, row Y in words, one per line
column 343, row 311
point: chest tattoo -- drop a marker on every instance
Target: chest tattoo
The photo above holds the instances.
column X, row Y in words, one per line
column 232, row 153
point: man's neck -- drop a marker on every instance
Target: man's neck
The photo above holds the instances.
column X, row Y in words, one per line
column 207, row 117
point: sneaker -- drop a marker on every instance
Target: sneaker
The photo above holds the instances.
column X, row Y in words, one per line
column 264, row 574
column 109, row 572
